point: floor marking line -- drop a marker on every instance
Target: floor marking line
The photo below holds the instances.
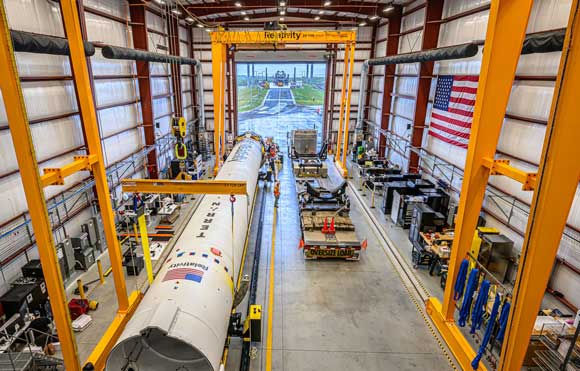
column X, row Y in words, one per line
column 271, row 294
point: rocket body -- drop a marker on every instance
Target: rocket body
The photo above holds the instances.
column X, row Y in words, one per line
column 182, row 321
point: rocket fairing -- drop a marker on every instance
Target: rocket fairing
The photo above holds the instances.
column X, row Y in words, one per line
column 182, row 322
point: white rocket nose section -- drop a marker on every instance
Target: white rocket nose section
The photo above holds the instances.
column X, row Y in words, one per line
column 154, row 350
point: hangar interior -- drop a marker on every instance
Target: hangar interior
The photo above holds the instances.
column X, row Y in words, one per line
column 289, row 185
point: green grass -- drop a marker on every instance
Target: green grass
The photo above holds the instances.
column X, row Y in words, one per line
column 250, row 98
column 308, row 95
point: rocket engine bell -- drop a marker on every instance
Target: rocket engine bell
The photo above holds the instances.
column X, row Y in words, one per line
column 182, row 322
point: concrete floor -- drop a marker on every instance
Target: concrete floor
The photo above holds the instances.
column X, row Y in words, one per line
column 333, row 314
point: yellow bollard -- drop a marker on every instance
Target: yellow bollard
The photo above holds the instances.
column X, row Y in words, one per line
column 100, row 268
column 136, row 233
column 81, row 289
column 145, row 244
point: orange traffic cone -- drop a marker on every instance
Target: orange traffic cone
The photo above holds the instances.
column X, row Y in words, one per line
column 332, row 230
column 301, row 245
column 325, row 226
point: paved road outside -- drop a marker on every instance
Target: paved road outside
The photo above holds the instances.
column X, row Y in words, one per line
column 280, row 114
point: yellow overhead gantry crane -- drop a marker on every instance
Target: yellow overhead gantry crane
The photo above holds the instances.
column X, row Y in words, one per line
column 221, row 40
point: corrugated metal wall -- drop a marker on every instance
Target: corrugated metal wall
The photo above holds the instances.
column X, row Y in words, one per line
column 55, row 123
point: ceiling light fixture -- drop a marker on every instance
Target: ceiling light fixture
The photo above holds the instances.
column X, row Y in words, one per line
column 160, row 2
column 189, row 19
column 282, row 12
column 321, row 12
column 317, row 18
column 327, row 3
column 388, row 9
column 176, row 11
column 246, row 18
column 362, row 24
column 238, row 4
column 199, row 25
column 373, row 17
column 244, row 13
column 282, row 19
column 282, row 3
column 207, row 30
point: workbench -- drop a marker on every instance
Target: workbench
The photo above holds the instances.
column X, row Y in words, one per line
column 433, row 251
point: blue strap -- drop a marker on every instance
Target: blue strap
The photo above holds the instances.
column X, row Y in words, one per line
column 468, row 298
column 487, row 335
column 479, row 308
column 503, row 319
column 460, row 282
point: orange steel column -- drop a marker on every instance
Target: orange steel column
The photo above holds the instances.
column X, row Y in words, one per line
column 218, row 108
column 33, row 189
column 342, row 101
column 347, row 115
column 87, row 110
column 556, row 184
column 506, row 31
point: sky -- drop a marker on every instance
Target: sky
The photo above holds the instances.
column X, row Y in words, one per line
column 260, row 68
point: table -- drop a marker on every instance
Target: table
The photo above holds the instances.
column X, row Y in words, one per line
column 438, row 244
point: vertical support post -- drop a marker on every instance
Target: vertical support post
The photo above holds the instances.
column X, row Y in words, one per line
column 140, row 42
column 145, row 244
column 331, row 92
column 218, row 108
column 26, row 158
column 369, row 83
column 556, row 184
column 173, row 35
column 101, row 273
column 235, row 92
column 223, row 99
column 342, row 101
column 431, row 27
column 327, row 81
column 506, row 31
column 389, row 76
column 81, row 289
column 229, row 90
column 87, row 110
column 347, row 115
column 196, row 109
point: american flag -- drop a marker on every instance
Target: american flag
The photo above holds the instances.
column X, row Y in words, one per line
column 189, row 274
column 452, row 111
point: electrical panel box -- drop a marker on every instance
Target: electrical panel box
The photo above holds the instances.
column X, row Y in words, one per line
column 84, row 258
column 89, row 229
column 101, row 244
column 62, row 261
column 495, row 254
column 69, row 256
column 81, row 242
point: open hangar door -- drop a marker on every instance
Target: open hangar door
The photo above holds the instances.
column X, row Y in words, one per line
column 280, row 91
